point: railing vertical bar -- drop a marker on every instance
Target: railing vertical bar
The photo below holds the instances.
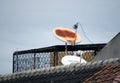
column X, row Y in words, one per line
column 34, row 63
column 55, row 56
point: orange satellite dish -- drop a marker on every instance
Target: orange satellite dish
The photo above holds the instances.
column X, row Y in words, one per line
column 66, row 35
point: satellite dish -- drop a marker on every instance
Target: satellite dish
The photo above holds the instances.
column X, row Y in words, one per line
column 66, row 35
column 67, row 60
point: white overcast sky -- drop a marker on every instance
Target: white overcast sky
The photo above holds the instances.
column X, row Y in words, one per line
column 28, row 24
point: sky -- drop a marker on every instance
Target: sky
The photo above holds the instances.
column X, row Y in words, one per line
column 29, row 24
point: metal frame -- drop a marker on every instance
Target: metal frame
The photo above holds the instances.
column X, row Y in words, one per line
column 40, row 58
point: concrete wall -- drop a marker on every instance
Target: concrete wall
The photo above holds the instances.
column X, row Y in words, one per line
column 111, row 50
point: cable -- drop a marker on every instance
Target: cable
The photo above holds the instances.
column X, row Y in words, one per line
column 84, row 33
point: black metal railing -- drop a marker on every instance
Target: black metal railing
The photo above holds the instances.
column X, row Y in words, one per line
column 48, row 56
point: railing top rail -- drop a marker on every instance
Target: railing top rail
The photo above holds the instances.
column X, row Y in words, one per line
column 62, row 48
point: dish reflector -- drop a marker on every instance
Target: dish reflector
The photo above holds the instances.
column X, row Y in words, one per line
column 66, row 35
column 67, row 60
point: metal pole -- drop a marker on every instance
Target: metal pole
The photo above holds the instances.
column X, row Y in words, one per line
column 66, row 48
column 34, row 61
column 75, row 36
column 75, row 27
column 13, row 64
column 17, row 62
column 55, row 57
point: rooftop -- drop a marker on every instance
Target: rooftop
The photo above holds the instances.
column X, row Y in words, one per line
column 90, row 72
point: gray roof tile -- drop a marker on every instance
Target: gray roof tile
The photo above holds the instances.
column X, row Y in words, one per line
column 66, row 74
